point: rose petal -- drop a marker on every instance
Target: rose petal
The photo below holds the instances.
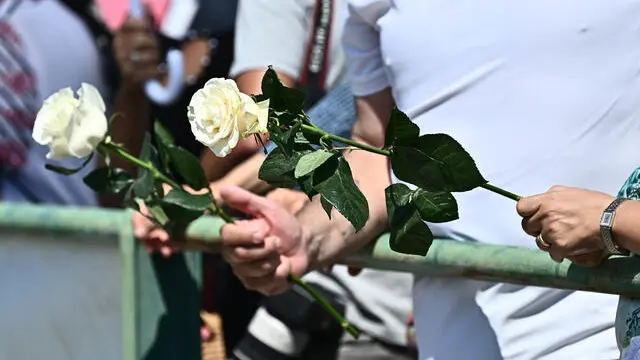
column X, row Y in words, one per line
column 58, row 149
column 87, row 129
column 223, row 147
column 90, row 95
column 263, row 116
column 54, row 116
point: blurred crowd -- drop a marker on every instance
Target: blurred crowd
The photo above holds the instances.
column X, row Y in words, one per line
column 541, row 92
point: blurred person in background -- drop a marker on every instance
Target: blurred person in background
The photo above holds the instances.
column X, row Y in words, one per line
column 139, row 48
column 45, row 45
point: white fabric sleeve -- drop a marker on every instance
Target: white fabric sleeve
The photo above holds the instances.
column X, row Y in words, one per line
column 270, row 32
column 361, row 42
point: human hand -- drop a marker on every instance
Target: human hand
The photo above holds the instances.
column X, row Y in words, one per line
column 293, row 201
column 136, row 51
column 267, row 249
column 154, row 237
column 566, row 222
column 290, row 200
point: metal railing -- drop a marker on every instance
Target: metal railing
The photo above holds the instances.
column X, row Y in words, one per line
column 161, row 301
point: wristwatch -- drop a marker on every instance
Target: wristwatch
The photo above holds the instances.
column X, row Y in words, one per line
column 606, row 224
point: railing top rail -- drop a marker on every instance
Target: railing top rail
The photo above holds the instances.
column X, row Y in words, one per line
column 618, row 275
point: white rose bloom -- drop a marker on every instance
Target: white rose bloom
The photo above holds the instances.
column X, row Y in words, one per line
column 71, row 126
column 220, row 115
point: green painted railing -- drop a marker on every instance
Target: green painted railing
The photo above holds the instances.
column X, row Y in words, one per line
column 161, row 301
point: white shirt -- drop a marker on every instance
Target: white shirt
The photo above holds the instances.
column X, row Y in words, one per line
column 62, row 53
column 277, row 33
column 540, row 93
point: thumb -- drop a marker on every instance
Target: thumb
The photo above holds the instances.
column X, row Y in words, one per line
column 254, row 205
column 247, row 202
column 528, row 206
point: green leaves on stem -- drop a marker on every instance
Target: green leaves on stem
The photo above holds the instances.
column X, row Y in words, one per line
column 107, row 180
column 438, row 165
column 157, row 165
column 436, row 162
column 408, row 209
column 178, row 161
column 311, row 161
column 281, row 98
column 334, row 181
column 318, row 172
column 187, row 167
column 306, row 159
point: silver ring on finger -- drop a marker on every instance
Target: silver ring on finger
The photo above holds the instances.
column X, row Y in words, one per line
column 541, row 243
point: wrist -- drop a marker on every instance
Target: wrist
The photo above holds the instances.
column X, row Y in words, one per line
column 312, row 247
column 625, row 232
column 132, row 88
column 606, row 226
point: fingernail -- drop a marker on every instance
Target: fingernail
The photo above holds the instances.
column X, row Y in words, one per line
column 166, row 252
column 278, row 243
column 257, row 238
column 205, row 334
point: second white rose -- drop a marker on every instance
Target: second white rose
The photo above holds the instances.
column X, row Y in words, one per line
column 220, row 115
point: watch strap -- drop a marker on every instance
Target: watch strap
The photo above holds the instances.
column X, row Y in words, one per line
column 606, row 225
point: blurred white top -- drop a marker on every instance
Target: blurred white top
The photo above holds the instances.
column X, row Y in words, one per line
column 277, row 33
column 540, row 93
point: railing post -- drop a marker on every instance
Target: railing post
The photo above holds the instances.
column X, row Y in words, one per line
column 161, row 303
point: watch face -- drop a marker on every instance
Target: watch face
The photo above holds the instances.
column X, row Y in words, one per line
column 606, row 219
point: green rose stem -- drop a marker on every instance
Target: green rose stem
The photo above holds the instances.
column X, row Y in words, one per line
column 118, row 150
column 312, row 129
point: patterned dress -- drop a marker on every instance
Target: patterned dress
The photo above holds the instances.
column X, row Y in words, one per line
column 628, row 316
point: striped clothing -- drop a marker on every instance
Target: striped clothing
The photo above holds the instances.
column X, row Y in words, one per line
column 18, row 99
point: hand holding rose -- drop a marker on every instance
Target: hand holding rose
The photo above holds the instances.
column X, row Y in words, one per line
column 266, row 250
column 567, row 220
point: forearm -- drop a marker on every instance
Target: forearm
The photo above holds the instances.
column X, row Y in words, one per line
column 329, row 240
column 245, row 175
column 626, row 231
column 132, row 111
column 216, row 168
column 332, row 239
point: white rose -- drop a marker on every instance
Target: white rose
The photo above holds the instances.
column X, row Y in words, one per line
column 70, row 126
column 220, row 115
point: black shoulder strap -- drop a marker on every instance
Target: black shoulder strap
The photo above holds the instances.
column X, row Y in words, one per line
column 314, row 72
